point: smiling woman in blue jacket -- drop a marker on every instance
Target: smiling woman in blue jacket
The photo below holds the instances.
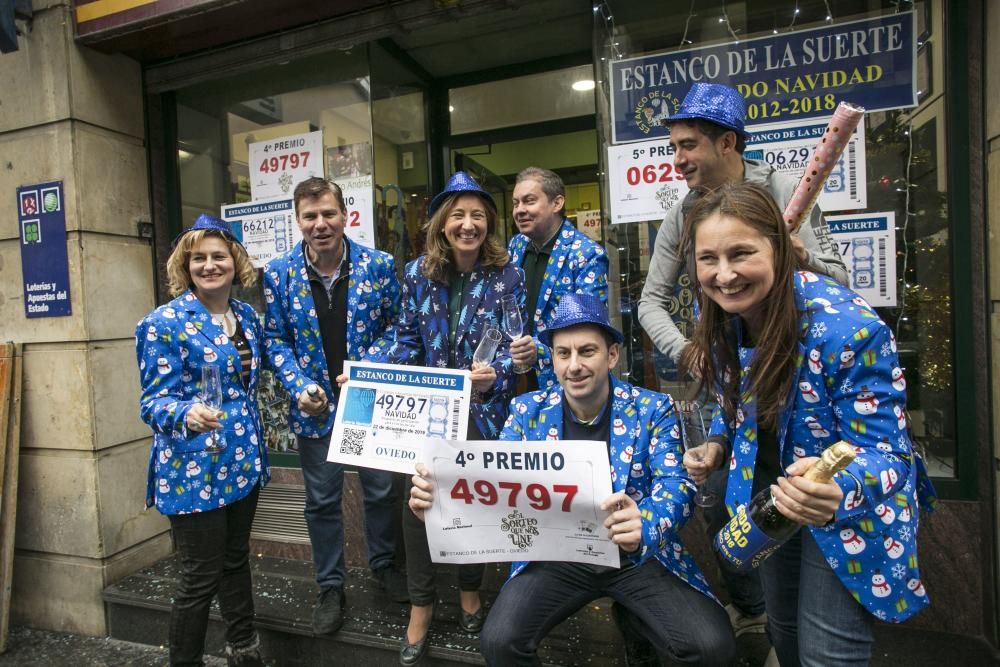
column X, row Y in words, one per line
column 800, row 362
column 451, row 296
column 209, row 496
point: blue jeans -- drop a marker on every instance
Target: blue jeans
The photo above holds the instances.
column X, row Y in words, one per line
column 325, row 517
column 214, row 549
column 812, row 619
column 681, row 623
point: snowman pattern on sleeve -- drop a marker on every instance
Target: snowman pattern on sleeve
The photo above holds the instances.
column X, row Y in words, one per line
column 644, row 451
column 850, row 387
column 174, row 342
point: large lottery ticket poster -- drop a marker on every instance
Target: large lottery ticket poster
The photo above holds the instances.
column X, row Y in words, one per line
column 867, row 244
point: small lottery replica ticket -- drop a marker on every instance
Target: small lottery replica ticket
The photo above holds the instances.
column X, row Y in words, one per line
column 386, row 413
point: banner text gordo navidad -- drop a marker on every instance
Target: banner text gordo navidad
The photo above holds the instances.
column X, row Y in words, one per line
column 786, row 77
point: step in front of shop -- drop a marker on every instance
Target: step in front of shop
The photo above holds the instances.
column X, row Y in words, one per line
column 284, row 592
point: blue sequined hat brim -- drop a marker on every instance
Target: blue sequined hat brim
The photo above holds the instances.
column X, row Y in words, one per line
column 209, row 223
column 461, row 183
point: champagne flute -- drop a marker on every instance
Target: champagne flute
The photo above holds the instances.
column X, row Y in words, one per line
column 211, row 396
column 693, row 437
column 487, row 347
column 513, row 325
column 484, row 354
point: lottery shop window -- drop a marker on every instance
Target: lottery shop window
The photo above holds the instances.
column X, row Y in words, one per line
column 898, row 171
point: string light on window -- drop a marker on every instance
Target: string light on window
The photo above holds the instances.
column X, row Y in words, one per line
column 687, row 24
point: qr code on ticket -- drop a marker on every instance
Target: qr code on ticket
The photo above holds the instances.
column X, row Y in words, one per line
column 353, row 442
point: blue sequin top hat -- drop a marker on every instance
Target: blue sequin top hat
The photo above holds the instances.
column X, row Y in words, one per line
column 461, row 182
column 208, row 222
column 574, row 309
column 715, row 103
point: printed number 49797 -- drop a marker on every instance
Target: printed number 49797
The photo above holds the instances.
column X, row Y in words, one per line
column 537, row 495
column 282, row 162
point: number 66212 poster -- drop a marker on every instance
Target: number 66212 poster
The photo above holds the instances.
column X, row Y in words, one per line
column 500, row 500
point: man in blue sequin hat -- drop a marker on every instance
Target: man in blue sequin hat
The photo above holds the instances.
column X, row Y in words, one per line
column 658, row 581
column 708, row 137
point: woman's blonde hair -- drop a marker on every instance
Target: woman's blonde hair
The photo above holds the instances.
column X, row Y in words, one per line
column 439, row 256
column 179, row 273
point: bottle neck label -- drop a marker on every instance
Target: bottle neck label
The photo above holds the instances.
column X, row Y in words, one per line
column 742, row 545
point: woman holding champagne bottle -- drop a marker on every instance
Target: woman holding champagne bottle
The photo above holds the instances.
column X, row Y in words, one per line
column 199, row 364
column 452, row 316
column 799, row 362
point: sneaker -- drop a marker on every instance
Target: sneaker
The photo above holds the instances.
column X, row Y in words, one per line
column 328, row 614
column 393, row 582
column 743, row 624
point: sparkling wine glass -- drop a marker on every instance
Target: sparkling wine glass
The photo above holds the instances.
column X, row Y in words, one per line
column 484, row 354
column 513, row 325
column 211, row 396
column 487, row 347
column 693, row 434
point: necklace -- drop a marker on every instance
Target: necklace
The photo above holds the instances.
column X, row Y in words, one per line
column 226, row 320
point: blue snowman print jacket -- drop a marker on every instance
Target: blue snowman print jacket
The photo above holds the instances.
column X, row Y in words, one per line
column 576, row 265
column 172, row 345
column 849, row 387
column 293, row 340
column 645, row 455
column 421, row 336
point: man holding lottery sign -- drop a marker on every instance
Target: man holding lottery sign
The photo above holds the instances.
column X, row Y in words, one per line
column 657, row 581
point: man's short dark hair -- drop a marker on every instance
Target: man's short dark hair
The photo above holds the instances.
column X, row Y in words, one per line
column 549, row 181
column 711, row 130
column 314, row 188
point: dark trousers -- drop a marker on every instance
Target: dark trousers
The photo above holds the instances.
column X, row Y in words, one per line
column 214, row 550
column 420, row 570
column 324, row 513
column 682, row 623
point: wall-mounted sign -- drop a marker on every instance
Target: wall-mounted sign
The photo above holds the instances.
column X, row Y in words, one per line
column 867, row 244
column 786, row 77
column 278, row 165
column 44, row 261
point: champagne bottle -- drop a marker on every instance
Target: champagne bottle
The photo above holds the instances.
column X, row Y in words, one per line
column 758, row 529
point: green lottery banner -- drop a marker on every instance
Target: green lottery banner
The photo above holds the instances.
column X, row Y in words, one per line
column 786, row 77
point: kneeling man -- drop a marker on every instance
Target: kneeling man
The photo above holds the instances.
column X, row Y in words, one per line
column 657, row 582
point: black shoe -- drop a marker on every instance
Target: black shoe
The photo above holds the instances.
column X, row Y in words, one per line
column 393, row 582
column 411, row 654
column 472, row 623
column 328, row 614
column 245, row 655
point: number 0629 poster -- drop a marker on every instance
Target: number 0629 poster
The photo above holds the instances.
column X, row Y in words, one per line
column 502, row 500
